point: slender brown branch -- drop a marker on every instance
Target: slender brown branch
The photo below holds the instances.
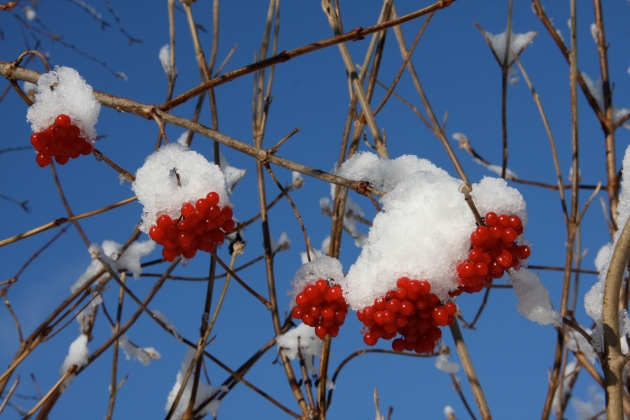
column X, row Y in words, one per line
column 52, row 391
column 67, row 205
column 467, row 364
column 63, row 220
column 283, row 56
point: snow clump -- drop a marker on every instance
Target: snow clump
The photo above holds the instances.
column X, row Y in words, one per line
column 310, row 344
column 203, row 392
column 78, row 354
column 322, row 267
column 165, row 58
column 423, row 230
column 533, row 298
column 445, row 365
column 593, row 301
column 518, row 42
column 597, row 91
column 172, row 176
column 142, row 355
column 64, row 91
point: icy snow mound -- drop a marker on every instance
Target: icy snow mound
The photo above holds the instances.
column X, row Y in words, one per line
column 157, row 188
column 423, row 230
column 64, row 91
column 322, row 267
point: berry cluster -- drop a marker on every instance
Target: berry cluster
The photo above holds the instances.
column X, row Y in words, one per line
column 201, row 226
column 410, row 310
column 321, row 306
column 61, row 140
column 493, row 252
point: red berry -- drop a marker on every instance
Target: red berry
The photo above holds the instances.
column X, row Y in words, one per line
column 369, row 339
column 42, row 160
column 227, row 213
column 187, row 208
column 296, row 312
column 403, row 282
column 491, row 219
column 169, row 254
column 86, row 149
column 213, row 198
column 63, row 120
column 393, row 305
column 380, row 303
column 301, row 299
column 62, row 159
column 451, row 308
column 398, row 345
column 202, row 205
column 228, row 226
column 508, row 235
column 440, row 315
column 157, row 234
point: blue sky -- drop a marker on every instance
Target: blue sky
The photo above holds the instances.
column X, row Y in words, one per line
column 511, row 354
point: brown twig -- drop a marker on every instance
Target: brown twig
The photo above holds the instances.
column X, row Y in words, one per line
column 283, row 56
column 67, row 205
column 62, row 220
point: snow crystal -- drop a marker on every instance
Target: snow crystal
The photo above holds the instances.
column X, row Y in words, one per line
column 316, row 253
column 513, row 77
column 29, row 13
column 329, row 384
column 165, row 59
column 322, row 267
column 349, row 222
column 533, row 298
column 310, row 344
column 143, row 355
column 518, row 42
column 283, row 243
column 296, row 179
column 597, row 91
column 183, row 138
column 130, row 259
column 384, row 174
column 591, row 409
column 603, row 256
column 445, row 365
column 594, row 32
column 167, row 323
column 569, row 373
column 577, row 343
column 423, row 230
column 29, row 87
column 63, row 91
column 78, row 354
column 232, row 174
column 594, row 298
column 203, row 392
column 157, row 188
column 497, row 169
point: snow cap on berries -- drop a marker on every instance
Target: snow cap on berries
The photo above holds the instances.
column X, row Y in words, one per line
column 423, row 230
column 64, row 91
column 157, row 188
column 322, row 267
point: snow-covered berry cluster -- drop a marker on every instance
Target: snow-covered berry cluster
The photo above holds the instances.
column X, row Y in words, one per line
column 322, row 306
column 61, row 140
column 493, row 252
column 201, row 226
column 410, row 310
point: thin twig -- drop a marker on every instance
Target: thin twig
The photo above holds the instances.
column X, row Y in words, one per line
column 283, row 56
column 62, row 220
